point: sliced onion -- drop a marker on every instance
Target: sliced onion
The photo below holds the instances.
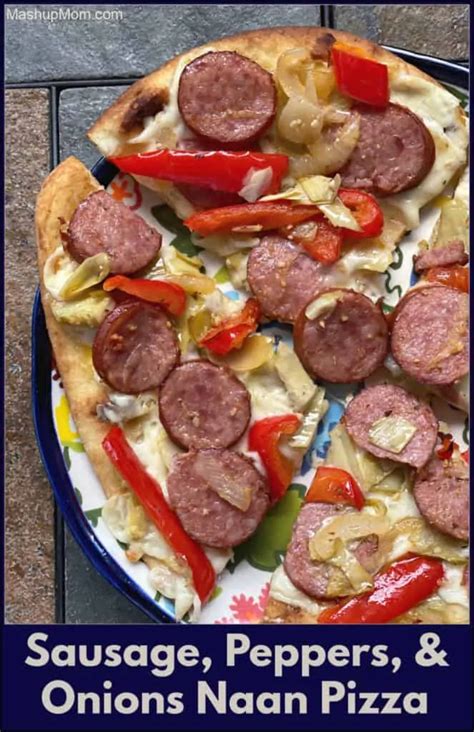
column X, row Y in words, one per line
column 359, row 578
column 256, row 351
column 331, row 152
column 289, row 67
column 229, row 489
column 303, row 165
column 322, row 546
column 428, row 541
column 324, row 304
column 377, row 506
column 324, row 80
column 335, row 116
column 300, row 120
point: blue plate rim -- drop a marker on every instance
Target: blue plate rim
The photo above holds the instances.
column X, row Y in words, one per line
column 50, row 452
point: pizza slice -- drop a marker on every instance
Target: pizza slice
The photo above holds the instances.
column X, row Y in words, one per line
column 328, row 100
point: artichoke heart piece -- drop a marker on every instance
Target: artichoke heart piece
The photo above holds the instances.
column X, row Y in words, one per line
column 176, row 263
column 88, row 311
column 315, row 411
column 392, row 433
column 367, row 470
column 298, row 384
column 359, row 579
column 320, row 188
column 310, row 189
column 453, row 223
column 92, row 271
column 339, row 215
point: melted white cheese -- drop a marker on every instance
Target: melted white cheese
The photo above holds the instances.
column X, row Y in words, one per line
column 267, row 393
column 462, row 189
column 124, row 407
column 156, row 128
column 398, row 505
column 283, row 590
column 152, row 446
column 221, row 307
column 452, row 590
column 439, row 110
column 58, row 267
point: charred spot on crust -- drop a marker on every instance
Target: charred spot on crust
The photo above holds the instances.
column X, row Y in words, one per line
column 322, row 46
column 141, row 107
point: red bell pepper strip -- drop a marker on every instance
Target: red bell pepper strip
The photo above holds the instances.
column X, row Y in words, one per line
column 220, row 170
column 333, row 485
column 465, row 456
column 446, row 449
column 366, row 211
column 396, row 589
column 453, row 276
column 264, row 437
column 168, row 294
column 151, row 497
column 326, row 244
column 231, row 333
column 360, row 78
column 265, row 214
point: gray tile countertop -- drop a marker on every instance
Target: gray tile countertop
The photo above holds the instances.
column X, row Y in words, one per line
column 440, row 30
column 41, row 49
column 137, row 42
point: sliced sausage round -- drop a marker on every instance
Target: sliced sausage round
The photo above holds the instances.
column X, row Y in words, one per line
column 441, row 493
column 394, row 152
column 203, row 405
column 100, row 224
column 196, row 483
column 344, row 340
column 135, row 347
column 310, row 576
column 453, row 253
column 226, row 97
column 429, row 337
column 375, row 403
column 283, row 277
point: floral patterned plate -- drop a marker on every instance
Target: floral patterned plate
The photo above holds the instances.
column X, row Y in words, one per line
column 241, row 594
